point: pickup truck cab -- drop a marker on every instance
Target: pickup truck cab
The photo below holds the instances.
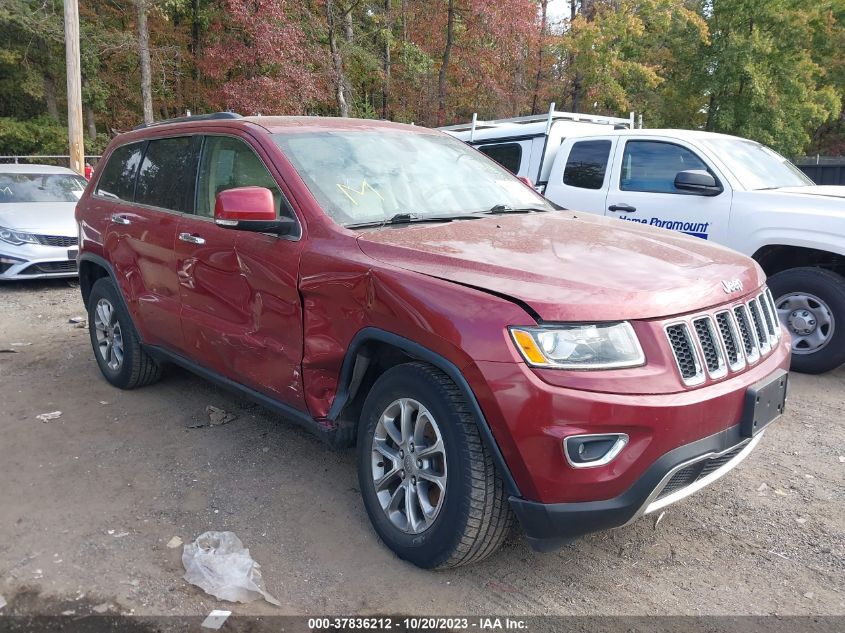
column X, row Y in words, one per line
column 489, row 355
column 720, row 188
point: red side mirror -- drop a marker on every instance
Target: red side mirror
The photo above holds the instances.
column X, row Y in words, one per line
column 526, row 181
column 244, row 204
column 251, row 209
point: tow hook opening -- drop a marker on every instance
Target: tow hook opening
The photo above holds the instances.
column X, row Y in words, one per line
column 592, row 450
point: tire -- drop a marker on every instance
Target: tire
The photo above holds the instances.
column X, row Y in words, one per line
column 472, row 518
column 818, row 295
column 132, row 367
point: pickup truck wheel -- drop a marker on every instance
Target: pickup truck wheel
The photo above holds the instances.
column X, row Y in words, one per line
column 118, row 351
column 811, row 306
column 429, row 486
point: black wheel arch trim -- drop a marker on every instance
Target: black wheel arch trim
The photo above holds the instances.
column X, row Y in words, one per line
column 419, row 352
column 105, row 265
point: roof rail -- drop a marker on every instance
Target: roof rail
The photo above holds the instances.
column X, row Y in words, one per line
column 550, row 117
column 190, row 118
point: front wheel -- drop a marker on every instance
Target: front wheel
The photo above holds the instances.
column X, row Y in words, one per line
column 429, row 485
column 811, row 306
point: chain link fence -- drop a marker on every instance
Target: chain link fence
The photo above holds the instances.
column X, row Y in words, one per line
column 57, row 160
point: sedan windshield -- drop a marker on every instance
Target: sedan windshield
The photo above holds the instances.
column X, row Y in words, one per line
column 373, row 176
column 41, row 187
column 756, row 166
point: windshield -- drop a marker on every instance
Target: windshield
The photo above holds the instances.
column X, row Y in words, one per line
column 41, row 187
column 756, row 166
column 372, row 175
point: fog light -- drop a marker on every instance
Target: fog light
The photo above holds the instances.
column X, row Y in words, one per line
column 7, row 262
column 589, row 451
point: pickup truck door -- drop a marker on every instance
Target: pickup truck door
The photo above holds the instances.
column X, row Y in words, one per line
column 580, row 175
column 642, row 189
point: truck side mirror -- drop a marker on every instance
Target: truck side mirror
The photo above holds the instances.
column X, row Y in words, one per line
column 697, row 181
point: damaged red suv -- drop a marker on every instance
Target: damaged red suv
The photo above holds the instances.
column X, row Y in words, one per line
column 491, row 356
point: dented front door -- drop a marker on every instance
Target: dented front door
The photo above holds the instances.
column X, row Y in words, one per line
column 241, row 313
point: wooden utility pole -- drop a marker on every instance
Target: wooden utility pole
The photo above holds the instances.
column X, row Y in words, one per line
column 74, row 87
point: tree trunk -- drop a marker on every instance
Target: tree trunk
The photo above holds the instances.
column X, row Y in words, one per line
column 348, row 33
column 50, row 97
column 385, row 89
column 337, row 61
column 90, row 122
column 144, row 57
column 195, row 37
column 544, row 5
column 444, row 66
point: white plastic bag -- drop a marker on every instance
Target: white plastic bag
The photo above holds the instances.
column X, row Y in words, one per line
column 219, row 564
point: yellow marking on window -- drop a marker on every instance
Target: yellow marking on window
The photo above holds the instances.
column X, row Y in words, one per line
column 346, row 190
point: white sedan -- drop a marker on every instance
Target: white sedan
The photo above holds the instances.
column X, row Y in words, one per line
column 38, row 235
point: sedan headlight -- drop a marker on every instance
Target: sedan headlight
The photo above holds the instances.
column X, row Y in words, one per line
column 580, row 346
column 16, row 237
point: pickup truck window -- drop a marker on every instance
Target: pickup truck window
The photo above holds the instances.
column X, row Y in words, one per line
column 587, row 164
column 756, row 166
column 508, row 155
column 651, row 166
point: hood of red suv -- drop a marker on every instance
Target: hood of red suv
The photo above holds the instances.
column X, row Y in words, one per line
column 568, row 267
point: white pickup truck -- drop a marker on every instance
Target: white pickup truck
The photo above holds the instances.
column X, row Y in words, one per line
column 726, row 189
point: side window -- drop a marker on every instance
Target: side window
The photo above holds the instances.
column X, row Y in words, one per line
column 118, row 179
column 586, row 164
column 167, row 169
column 651, row 166
column 227, row 163
column 508, row 155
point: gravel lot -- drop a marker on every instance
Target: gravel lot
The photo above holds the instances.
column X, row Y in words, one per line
column 89, row 501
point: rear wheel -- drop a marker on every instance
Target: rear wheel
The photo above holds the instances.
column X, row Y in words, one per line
column 117, row 348
column 429, row 485
column 811, row 306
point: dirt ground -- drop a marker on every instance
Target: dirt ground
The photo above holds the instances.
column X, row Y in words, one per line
column 88, row 502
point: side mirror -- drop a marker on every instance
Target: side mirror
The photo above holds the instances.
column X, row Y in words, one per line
column 526, row 181
column 697, row 181
column 250, row 209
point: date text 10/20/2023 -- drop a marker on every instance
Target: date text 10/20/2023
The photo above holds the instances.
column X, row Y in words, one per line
column 419, row 623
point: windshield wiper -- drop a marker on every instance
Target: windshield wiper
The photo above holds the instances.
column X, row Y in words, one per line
column 498, row 209
column 410, row 218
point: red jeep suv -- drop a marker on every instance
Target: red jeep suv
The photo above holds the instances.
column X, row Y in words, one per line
column 490, row 355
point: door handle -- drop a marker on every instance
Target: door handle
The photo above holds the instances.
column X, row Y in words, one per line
column 191, row 239
column 119, row 219
column 626, row 208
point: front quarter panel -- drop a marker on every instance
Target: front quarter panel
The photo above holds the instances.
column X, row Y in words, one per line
column 764, row 218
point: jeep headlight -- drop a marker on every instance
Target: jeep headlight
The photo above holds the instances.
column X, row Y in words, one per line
column 580, row 346
column 16, row 237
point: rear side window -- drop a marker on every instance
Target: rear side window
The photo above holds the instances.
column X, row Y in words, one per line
column 118, row 179
column 508, row 155
column 166, row 173
column 652, row 166
column 587, row 164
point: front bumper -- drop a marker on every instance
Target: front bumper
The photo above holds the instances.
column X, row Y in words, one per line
column 677, row 474
column 36, row 261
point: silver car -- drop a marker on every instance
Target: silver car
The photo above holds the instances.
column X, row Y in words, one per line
column 38, row 235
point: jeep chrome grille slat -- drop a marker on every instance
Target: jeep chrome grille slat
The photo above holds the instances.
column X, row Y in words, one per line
column 724, row 341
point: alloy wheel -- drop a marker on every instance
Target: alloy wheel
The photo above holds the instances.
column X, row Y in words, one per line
column 409, row 466
column 109, row 334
